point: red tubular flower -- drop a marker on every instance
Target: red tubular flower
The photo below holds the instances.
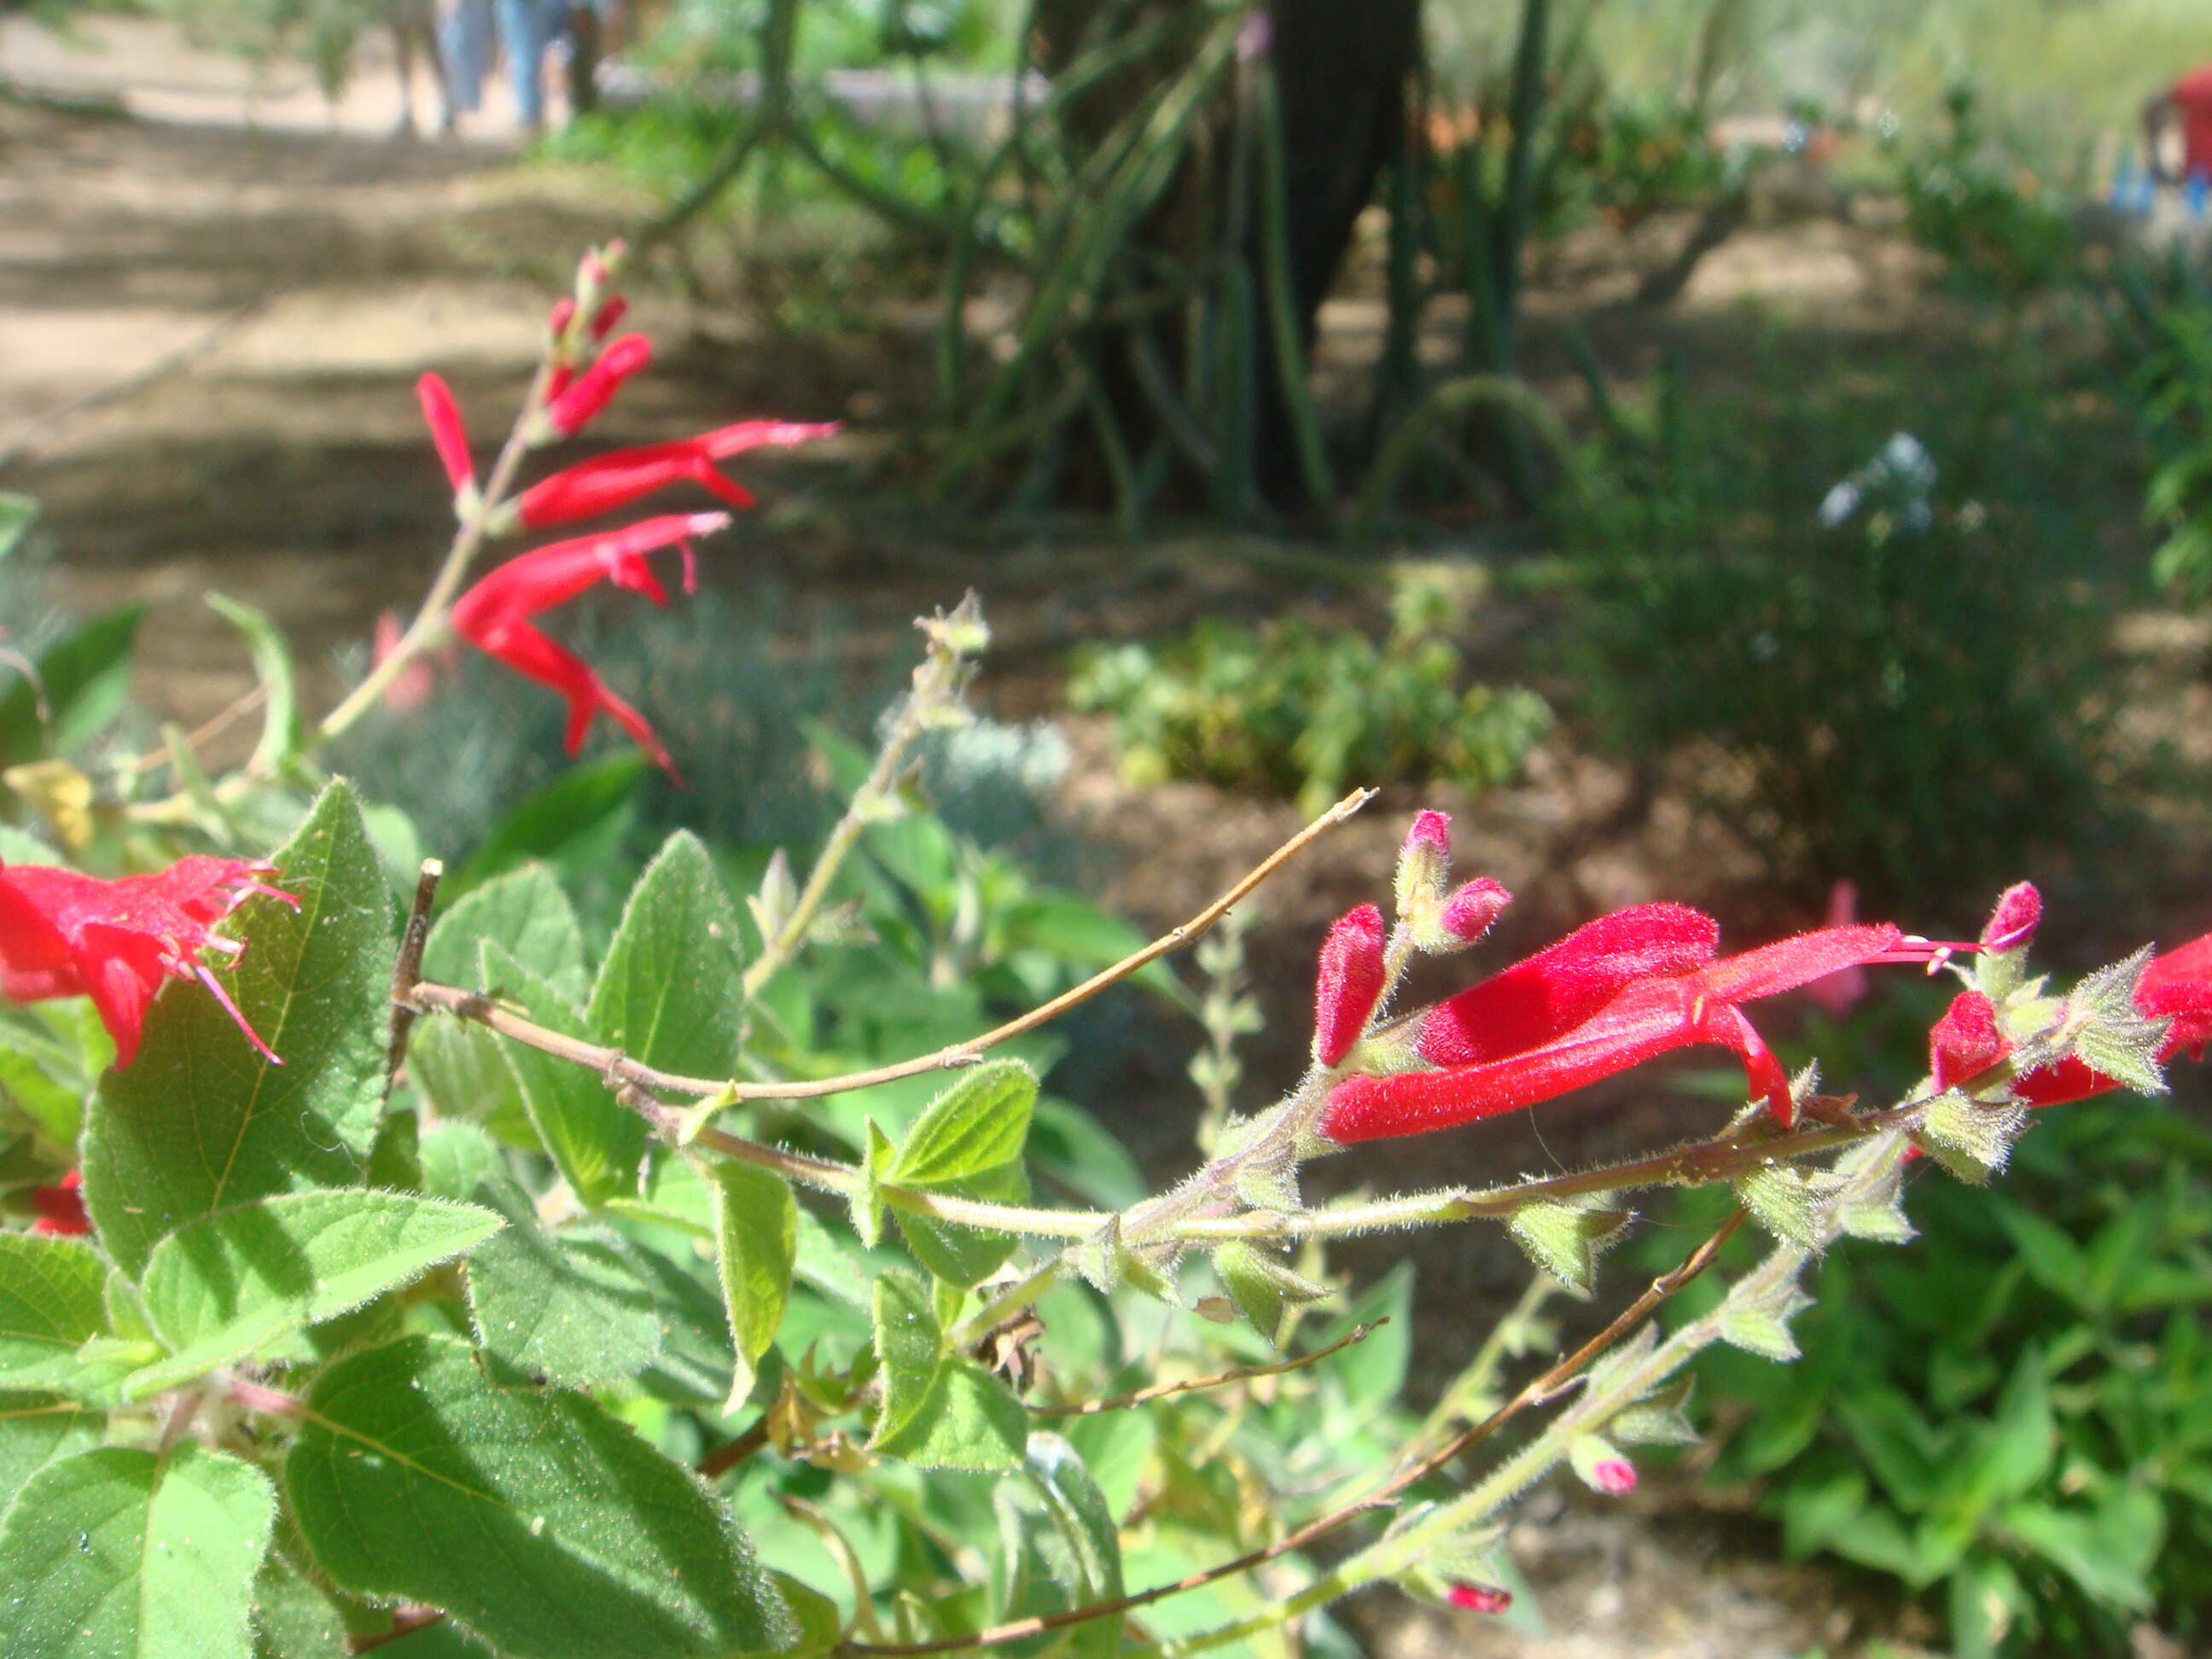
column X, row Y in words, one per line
column 1348, row 984
column 580, row 402
column 61, row 1207
column 1837, row 993
column 2177, row 987
column 615, row 479
column 1612, row 994
column 443, row 417
column 620, row 476
column 66, row 934
column 493, row 615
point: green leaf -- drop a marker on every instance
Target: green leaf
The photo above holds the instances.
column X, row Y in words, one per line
column 2019, row 1447
column 909, row 1347
column 52, row 1300
column 668, row 993
column 459, row 1067
column 576, row 822
column 291, row 1617
column 525, row 910
column 1087, row 1561
column 230, row 1283
column 572, row 1307
column 534, row 1518
column 199, row 1121
column 595, row 1138
column 978, row 1124
column 283, row 731
column 757, row 1233
column 968, row 1420
column 955, row 1252
column 455, row 1156
column 119, row 1554
column 34, row 1430
column 82, row 680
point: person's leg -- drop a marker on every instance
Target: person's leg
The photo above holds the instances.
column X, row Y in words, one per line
column 401, row 24
column 465, row 40
column 522, row 35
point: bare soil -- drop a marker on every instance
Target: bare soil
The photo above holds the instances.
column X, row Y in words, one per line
column 209, row 328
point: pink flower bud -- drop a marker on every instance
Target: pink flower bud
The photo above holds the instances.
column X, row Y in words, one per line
column 1966, row 1042
column 415, row 683
column 1614, row 1476
column 610, row 314
column 1348, row 984
column 451, row 438
column 1469, row 913
column 1424, row 859
column 1480, row 1598
column 564, row 312
column 579, row 404
column 2012, row 924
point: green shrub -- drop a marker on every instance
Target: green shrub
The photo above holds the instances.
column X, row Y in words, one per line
column 2005, row 231
column 2014, row 1416
column 1906, row 699
column 1291, row 708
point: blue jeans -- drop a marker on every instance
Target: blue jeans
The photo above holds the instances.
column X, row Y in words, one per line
column 527, row 28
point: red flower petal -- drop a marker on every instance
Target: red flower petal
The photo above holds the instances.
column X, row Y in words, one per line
column 615, row 479
column 1966, row 1042
column 2012, row 924
column 1348, row 983
column 1548, row 994
column 447, row 432
column 61, row 1207
column 580, row 403
column 728, row 440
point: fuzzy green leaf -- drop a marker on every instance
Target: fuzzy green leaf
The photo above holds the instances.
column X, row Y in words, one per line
column 525, row 910
column 34, row 1430
column 756, row 1231
column 534, row 1518
column 571, row 1307
column 958, row 1254
column 668, row 993
column 909, row 1348
column 1566, row 1237
column 52, row 1299
column 198, row 1122
column 120, row 1554
column 234, row 1282
column 968, row 1420
column 979, row 1123
column 595, row 1138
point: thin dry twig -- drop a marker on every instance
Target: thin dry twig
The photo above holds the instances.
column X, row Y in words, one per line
column 407, row 967
column 1541, row 1390
column 1219, row 1379
column 427, row 998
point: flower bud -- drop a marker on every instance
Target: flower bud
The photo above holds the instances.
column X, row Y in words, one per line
column 1349, row 983
column 580, row 401
column 2012, row 924
column 1424, row 860
column 1966, row 1041
column 609, row 315
column 563, row 313
column 447, row 433
column 1480, row 1598
column 1469, row 913
column 1601, row 1467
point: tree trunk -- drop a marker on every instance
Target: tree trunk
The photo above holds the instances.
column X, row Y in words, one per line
column 1340, row 68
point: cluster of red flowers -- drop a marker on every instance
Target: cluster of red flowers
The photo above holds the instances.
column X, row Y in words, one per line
column 586, row 370
column 1640, row 982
